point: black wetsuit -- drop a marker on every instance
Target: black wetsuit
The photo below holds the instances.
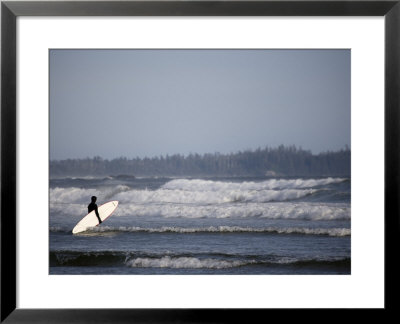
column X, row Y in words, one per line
column 92, row 206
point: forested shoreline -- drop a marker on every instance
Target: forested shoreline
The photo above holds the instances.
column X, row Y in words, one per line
column 281, row 161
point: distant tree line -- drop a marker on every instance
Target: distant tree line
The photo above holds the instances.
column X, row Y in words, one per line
column 281, row 161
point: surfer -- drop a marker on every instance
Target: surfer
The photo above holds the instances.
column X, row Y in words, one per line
column 93, row 206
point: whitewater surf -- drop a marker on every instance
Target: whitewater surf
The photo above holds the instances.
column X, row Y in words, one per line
column 203, row 226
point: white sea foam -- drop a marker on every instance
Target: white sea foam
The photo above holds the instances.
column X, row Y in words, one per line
column 125, row 195
column 165, row 203
column 223, row 229
column 82, row 196
column 73, row 201
column 183, row 263
column 69, row 209
column 210, row 197
column 286, row 210
column 198, row 191
column 196, row 263
column 71, row 195
column 298, row 211
column 209, row 185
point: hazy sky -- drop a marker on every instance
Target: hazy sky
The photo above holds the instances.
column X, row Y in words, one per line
column 130, row 103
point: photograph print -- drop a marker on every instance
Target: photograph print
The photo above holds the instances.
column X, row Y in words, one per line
column 200, row 162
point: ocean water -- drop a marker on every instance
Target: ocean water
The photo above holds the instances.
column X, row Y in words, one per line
column 215, row 226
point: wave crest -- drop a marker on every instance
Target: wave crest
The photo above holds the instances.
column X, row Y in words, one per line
column 271, row 184
column 223, row 229
column 183, row 263
column 300, row 211
column 180, row 261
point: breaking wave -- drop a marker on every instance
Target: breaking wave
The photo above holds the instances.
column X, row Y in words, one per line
column 126, row 195
column 210, row 197
column 82, row 196
column 338, row 232
column 271, row 184
column 199, row 191
column 271, row 199
column 212, row 261
column 225, row 229
column 184, row 263
column 282, row 210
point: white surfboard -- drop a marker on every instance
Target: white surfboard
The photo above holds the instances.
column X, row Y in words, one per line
column 91, row 220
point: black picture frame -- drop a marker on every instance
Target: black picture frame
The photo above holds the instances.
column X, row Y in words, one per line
column 10, row 10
